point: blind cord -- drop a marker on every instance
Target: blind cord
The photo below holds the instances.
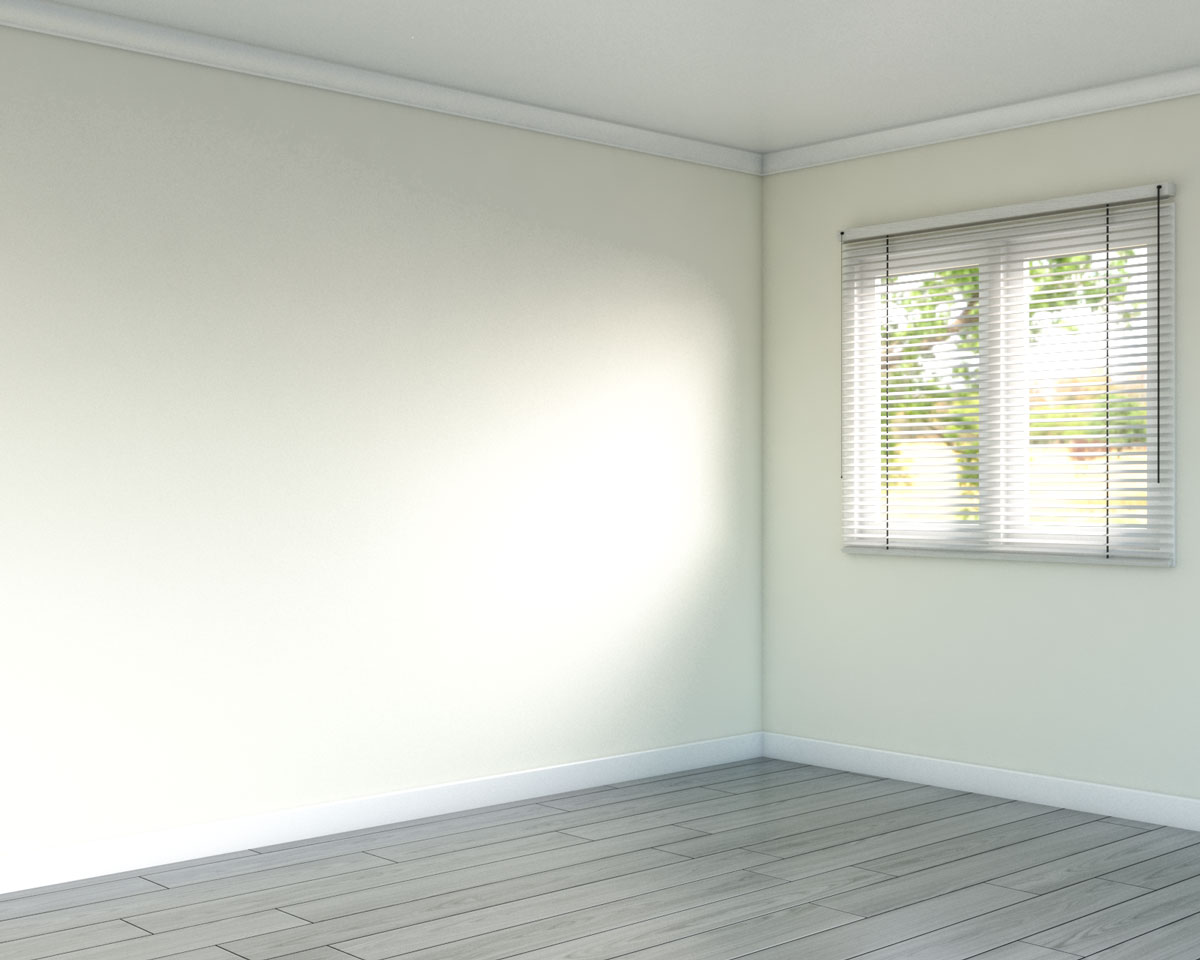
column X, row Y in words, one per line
column 887, row 373
column 1158, row 334
column 1107, row 381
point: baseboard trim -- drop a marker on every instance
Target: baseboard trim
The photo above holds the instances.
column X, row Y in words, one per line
column 1159, row 808
column 35, row 867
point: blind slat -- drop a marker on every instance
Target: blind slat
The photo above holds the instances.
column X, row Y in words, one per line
column 1008, row 385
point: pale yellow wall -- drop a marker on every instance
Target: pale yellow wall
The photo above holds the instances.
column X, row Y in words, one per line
column 346, row 448
column 349, row 448
column 1082, row 672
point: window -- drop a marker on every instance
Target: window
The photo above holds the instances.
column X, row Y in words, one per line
column 1007, row 382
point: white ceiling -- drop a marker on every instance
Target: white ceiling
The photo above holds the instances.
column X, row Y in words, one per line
column 759, row 75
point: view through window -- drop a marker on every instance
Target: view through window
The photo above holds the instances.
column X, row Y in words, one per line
column 1004, row 387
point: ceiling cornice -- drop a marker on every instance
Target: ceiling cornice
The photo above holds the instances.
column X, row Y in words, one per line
column 1080, row 103
column 73, row 23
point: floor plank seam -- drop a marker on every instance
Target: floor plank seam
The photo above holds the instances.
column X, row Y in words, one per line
column 1065, row 953
column 137, row 926
column 376, row 853
column 284, row 909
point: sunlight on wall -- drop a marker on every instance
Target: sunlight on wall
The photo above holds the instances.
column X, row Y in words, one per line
column 558, row 535
column 552, row 537
column 598, row 497
column 350, row 449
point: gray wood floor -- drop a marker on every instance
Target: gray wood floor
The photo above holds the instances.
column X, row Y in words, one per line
column 762, row 859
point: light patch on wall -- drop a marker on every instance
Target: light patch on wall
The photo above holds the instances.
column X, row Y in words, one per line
column 568, row 534
column 351, row 449
column 607, row 500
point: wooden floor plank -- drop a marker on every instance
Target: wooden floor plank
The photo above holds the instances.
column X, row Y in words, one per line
column 125, row 875
column 1022, row 951
column 1099, row 861
column 386, row 894
column 959, row 848
column 163, row 899
column 1162, row 871
column 237, row 868
column 440, row 874
column 53, row 888
column 318, row 953
column 826, row 825
column 1107, row 928
column 630, row 870
column 748, row 936
column 75, row 897
column 620, row 940
column 261, row 891
column 65, row 941
column 762, row 859
column 835, row 791
column 850, row 852
column 418, row 936
column 855, row 939
column 321, row 851
column 1177, row 941
column 779, row 779
column 733, row 803
column 169, row 944
column 716, row 779
column 556, row 821
column 725, row 898
column 969, row 938
column 915, row 887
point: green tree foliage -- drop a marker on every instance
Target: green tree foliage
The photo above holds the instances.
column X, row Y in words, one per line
column 932, row 356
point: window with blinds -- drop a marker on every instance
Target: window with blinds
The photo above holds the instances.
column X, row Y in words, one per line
column 1007, row 382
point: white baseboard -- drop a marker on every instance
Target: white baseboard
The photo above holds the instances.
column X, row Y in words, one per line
column 1159, row 808
column 34, row 867
column 23, row 869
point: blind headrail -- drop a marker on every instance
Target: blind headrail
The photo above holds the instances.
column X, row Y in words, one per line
column 1013, row 211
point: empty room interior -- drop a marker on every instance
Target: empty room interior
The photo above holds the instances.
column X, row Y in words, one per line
column 673, row 479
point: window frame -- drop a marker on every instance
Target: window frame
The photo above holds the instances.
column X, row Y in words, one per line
column 1001, row 536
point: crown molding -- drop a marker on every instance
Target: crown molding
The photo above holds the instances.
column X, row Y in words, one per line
column 1080, row 103
column 122, row 33
column 72, row 23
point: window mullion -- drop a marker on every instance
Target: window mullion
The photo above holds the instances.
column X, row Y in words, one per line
column 996, row 359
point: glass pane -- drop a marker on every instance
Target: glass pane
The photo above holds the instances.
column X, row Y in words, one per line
column 931, row 400
column 1087, row 388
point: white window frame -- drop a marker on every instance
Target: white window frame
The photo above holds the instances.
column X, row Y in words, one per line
column 863, row 432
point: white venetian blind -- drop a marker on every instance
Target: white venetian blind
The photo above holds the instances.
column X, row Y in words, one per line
column 1008, row 382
